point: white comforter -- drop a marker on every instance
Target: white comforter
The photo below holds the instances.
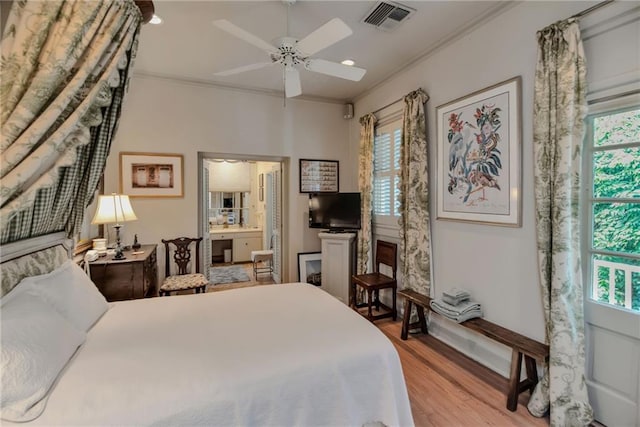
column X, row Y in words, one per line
column 275, row 355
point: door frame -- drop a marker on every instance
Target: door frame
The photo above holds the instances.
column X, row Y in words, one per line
column 285, row 163
column 607, row 327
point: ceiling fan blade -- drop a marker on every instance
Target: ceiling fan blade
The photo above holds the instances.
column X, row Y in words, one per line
column 292, row 85
column 324, row 36
column 243, row 69
column 335, row 69
column 234, row 30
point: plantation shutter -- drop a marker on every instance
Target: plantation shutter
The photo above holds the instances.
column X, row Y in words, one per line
column 386, row 172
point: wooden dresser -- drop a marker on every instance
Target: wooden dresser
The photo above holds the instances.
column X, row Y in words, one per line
column 132, row 278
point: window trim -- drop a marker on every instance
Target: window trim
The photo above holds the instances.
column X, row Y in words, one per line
column 587, row 251
column 388, row 222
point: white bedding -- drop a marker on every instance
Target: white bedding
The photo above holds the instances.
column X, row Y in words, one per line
column 275, row 355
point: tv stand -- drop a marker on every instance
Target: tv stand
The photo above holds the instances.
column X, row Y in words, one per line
column 338, row 262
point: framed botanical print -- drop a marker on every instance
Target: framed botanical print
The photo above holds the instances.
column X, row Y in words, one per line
column 479, row 156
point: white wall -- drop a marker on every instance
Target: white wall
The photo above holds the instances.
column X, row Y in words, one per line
column 166, row 116
column 497, row 264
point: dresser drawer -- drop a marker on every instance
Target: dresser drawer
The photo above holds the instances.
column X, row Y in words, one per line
column 219, row 236
column 134, row 277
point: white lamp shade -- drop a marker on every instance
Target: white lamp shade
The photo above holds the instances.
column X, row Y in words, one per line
column 114, row 208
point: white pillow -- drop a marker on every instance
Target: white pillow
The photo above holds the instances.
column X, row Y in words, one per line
column 71, row 293
column 37, row 342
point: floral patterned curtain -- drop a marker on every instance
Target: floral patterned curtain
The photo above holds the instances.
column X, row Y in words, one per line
column 64, row 71
column 415, row 224
column 365, row 185
column 558, row 117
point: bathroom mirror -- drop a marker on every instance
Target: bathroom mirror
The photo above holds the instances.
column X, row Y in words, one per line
column 228, row 207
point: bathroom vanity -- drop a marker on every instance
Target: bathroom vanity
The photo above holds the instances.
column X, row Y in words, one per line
column 241, row 241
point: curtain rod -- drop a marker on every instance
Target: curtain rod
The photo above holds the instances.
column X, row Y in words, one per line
column 592, row 9
column 387, row 105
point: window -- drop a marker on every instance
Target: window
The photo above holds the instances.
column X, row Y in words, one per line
column 612, row 184
column 386, row 173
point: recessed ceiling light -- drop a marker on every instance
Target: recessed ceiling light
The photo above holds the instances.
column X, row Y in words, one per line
column 156, row 20
column 348, row 62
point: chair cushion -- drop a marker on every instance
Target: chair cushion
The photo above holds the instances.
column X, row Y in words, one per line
column 183, row 282
column 261, row 255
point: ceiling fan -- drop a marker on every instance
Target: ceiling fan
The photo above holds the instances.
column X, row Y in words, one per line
column 291, row 53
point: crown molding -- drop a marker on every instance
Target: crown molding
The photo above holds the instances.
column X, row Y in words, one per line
column 233, row 88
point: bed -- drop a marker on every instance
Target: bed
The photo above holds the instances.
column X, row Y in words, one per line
column 287, row 354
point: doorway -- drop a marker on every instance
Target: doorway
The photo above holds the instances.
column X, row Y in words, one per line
column 241, row 209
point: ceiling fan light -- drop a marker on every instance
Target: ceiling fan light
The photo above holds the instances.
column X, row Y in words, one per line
column 348, row 62
column 156, row 20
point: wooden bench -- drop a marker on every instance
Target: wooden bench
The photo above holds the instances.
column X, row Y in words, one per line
column 532, row 350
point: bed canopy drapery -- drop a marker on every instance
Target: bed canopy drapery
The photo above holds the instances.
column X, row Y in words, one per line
column 64, row 72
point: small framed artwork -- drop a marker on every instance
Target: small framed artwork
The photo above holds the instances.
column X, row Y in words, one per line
column 151, row 175
column 319, row 176
column 479, row 156
column 261, row 194
column 261, row 180
column 310, row 268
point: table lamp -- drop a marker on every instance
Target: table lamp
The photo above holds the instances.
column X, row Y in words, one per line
column 114, row 208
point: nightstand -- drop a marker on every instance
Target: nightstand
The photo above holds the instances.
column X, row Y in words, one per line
column 131, row 278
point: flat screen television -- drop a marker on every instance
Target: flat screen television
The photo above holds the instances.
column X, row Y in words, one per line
column 335, row 211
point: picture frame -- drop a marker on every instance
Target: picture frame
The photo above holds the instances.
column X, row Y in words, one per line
column 319, row 176
column 479, row 169
column 310, row 268
column 261, row 194
column 151, row 174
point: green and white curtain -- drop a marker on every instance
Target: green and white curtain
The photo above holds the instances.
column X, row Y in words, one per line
column 558, row 118
column 63, row 73
column 365, row 185
column 415, row 224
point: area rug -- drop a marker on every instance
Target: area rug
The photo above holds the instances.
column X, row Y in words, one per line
column 230, row 274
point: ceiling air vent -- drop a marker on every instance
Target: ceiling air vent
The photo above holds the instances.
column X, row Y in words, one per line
column 387, row 15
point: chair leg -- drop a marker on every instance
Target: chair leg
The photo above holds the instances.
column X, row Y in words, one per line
column 353, row 300
column 377, row 299
column 369, row 301
column 393, row 308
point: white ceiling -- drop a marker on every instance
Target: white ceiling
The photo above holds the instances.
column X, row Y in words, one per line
column 188, row 46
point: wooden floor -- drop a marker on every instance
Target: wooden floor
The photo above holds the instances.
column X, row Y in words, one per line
column 448, row 389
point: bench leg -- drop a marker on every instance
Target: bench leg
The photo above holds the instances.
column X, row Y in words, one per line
column 405, row 319
column 514, row 380
column 532, row 372
column 422, row 320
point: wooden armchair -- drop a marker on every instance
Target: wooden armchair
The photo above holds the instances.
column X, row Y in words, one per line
column 183, row 279
column 372, row 283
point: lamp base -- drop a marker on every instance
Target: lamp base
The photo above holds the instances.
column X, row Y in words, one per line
column 118, row 256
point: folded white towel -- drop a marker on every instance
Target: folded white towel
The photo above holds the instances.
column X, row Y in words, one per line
column 456, row 293
column 455, row 296
column 458, row 313
column 454, row 301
